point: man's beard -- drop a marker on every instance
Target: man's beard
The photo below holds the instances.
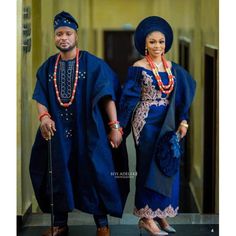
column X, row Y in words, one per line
column 66, row 49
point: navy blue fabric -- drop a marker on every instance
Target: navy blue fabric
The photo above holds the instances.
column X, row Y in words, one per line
column 100, row 220
column 65, row 19
column 177, row 110
column 82, row 157
column 149, row 25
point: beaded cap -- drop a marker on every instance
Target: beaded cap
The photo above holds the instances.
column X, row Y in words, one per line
column 65, row 19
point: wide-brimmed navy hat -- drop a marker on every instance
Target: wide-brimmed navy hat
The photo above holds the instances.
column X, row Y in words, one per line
column 65, row 19
column 148, row 25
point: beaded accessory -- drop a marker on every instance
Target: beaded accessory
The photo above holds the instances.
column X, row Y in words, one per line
column 44, row 114
column 184, row 124
column 167, row 89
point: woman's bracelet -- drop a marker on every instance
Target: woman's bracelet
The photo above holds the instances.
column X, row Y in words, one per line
column 44, row 114
column 184, row 124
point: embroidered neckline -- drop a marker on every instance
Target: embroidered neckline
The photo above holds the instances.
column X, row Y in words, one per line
column 75, row 82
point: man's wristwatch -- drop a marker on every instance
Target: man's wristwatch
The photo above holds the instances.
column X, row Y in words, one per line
column 115, row 126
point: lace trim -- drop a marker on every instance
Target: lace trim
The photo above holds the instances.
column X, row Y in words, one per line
column 147, row 212
column 150, row 96
column 138, row 122
column 149, row 92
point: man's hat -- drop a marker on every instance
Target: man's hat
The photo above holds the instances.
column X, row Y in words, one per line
column 147, row 26
column 65, row 19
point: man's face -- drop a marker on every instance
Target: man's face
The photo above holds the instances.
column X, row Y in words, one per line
column 65, row 38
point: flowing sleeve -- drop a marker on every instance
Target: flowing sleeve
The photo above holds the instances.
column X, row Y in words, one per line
column 130, row 96
column 105, row 83
column 41, row 89
column 185, row 92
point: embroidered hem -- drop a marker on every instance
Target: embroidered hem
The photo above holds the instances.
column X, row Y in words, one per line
column 148, row 213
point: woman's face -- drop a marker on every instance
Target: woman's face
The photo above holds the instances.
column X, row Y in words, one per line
column 155, row 43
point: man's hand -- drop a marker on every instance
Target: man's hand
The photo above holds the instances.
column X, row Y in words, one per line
column 47, row 127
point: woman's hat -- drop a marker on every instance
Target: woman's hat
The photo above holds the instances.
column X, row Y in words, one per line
column 148, row 25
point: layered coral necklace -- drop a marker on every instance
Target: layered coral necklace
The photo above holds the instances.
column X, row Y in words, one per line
column 75, row 82
column 167, row 89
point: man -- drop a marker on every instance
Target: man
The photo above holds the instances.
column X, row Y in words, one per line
column 75, row 94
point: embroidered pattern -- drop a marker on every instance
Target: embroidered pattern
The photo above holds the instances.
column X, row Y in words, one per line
column 147, row 212
column 82, row 75
column 150, row 96
column 68, row 133
column 50, row 77
column 66, row 79
column 66, row 115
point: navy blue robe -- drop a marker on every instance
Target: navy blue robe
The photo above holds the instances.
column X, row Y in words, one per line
column 152, row 115
column 83, row 161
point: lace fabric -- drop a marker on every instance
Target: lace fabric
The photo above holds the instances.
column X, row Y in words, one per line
column 148, row 213
column 150, row 96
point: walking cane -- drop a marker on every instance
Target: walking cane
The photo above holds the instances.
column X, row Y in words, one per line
column 50, row 181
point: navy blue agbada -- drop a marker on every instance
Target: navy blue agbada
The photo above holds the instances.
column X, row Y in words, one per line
column 83, row 161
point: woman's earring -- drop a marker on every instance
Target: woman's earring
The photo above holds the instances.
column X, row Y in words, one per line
column 146, row 51
column 163, row 53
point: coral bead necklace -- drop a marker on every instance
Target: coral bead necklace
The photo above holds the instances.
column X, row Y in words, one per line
column 167, row 89
column 75, row 82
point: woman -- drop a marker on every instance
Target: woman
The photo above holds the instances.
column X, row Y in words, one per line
column 155, row 100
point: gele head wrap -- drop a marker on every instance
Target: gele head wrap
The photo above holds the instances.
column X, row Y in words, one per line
column 149, row 25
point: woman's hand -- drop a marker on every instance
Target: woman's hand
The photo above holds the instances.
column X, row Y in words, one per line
column 47, row 127
column 115, row 137
column 183, row 128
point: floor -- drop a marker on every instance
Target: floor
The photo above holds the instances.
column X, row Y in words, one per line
column 129, row 230
column 191, row 224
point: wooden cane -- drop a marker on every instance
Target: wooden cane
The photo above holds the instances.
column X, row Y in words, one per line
column 51, row 181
